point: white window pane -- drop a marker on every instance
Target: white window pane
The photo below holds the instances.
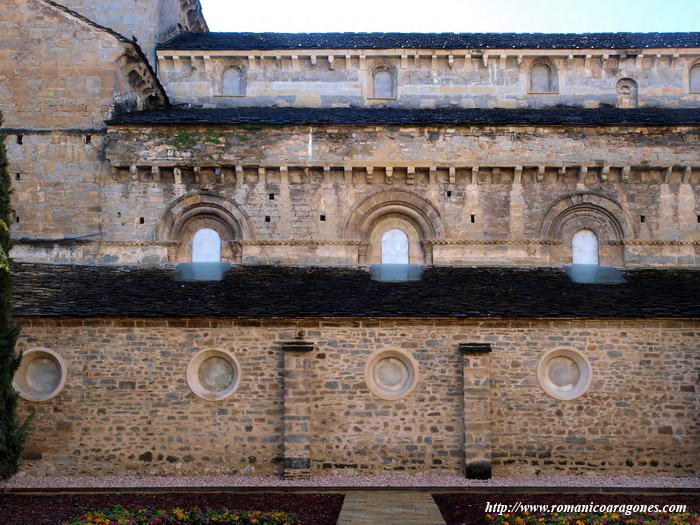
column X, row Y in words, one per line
column 539, row 79
column 695, row 79
column 206, row 246
column 232, row 82
column 383, row 85
column 584, row 246
column 394, row 247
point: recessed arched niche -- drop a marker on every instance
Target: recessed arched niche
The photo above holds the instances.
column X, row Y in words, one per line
column 41, row 374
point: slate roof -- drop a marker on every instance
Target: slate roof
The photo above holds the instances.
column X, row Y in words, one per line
column 562, row 116
column 47, row 290
column 268, row 41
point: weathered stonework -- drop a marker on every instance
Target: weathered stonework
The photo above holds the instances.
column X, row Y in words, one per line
column 126, row 406
column 437, row 78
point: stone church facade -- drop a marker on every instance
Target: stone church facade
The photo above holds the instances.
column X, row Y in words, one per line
column 487, row 169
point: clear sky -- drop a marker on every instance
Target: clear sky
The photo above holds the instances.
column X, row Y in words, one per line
column 452, row 15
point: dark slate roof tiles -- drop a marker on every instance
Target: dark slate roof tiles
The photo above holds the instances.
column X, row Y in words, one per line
column 270, row 41
column 44, row 290
column 562, row 116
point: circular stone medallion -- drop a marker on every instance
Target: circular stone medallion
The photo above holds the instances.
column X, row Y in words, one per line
column 41, row 375
column 564, row 374
column 213, row 374
column 391, row 374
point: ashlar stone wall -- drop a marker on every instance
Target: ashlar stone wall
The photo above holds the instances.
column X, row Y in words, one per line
column 425, row 78
column 126, row 407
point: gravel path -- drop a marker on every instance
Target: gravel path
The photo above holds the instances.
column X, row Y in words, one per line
column 384, row 480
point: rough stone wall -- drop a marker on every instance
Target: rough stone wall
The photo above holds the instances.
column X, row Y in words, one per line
column 493, row 194
column 307, row 79
column 150, row 21
column 127, row 408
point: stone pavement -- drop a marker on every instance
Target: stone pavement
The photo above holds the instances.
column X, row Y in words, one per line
column 390, row 508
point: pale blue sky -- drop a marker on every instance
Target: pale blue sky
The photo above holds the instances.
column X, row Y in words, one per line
column 453, row 15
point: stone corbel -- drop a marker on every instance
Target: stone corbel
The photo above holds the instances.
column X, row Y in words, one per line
column 582, row 172
column 604, row 60
column 502, row 61
column 404, row 61
column 284, row 175
column 587, row 61
column 432, row 174
column 518, row 175
column 347, row 175
column 278, row 59
column 540, row 173
column 314, row 59
column 331, row 60
column 363, row 62
column 485, row 59
column 326, row 174
column 433, row 62
column 370, row 174
column 134, row 173
column 177, row 173
column 667, row 174
column 604, row 173
column 155, row 171
column 452, row 174
column 562, row 173
column 177, row 64
column 348, row 61
column 687, row 172
column 475, row 175
column 239, row 176
column 389, row 174
column 519, row 60
column 219, row 174
column 468, row 61
column 674, row 59
column 206, row 62
column 410, row 175
column 450, row 61
column 625, row 174
column 639, row 61
column 416, row 61
column 261, row 176
column 295, row 62
column 197, row 174
column 251, row 62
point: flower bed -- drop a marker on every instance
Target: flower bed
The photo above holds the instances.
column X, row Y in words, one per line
column 137, row 515
column 593, row 519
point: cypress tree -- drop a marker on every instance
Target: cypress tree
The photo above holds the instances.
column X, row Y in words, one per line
column 12, row 432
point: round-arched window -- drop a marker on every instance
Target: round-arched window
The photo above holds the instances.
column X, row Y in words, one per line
column 206, row 246
column 695, row 79
column 394, row 247
column 584, row 247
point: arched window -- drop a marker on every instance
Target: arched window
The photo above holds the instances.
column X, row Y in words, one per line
column 394, row 247
column 383, row 84
column 627, row 93
column 695, row 79
column 206, row 246
column 233, row 82
column 543, row 79
column 584, row 247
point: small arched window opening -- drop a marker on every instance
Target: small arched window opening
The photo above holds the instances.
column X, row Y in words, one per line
column 584, row 247
column 695, row 79
column 206, row 246
column 383, row 84
column 395, row 247
column 543, row 79
column 627, row 93
column 233, row 82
